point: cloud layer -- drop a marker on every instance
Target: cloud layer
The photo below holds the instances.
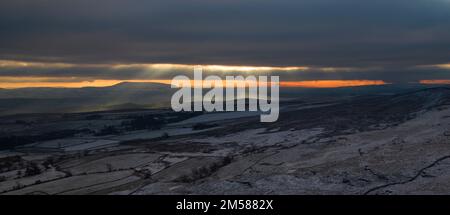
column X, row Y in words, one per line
column 381, row 39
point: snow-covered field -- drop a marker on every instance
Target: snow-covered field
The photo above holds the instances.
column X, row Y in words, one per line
column 73, row 183
column 115, row 162
column 389, row 152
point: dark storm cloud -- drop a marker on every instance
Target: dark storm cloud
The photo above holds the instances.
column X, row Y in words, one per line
column 388, row 34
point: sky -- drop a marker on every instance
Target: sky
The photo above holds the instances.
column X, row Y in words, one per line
column 84, row 41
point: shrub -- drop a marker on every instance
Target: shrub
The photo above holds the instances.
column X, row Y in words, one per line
column 32, row 169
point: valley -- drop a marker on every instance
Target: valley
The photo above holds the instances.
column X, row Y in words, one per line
column 366, row 144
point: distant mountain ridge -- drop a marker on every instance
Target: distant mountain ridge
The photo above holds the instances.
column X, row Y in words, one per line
column 147, row 95
column 49, row 92
column 48, row 100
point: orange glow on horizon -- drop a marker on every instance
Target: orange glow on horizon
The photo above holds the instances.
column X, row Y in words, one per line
column 331, row 83
column 26, row 82
column 70, row 84
column 434, row 81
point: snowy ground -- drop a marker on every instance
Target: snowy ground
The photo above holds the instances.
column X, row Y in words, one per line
column 403, row 153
